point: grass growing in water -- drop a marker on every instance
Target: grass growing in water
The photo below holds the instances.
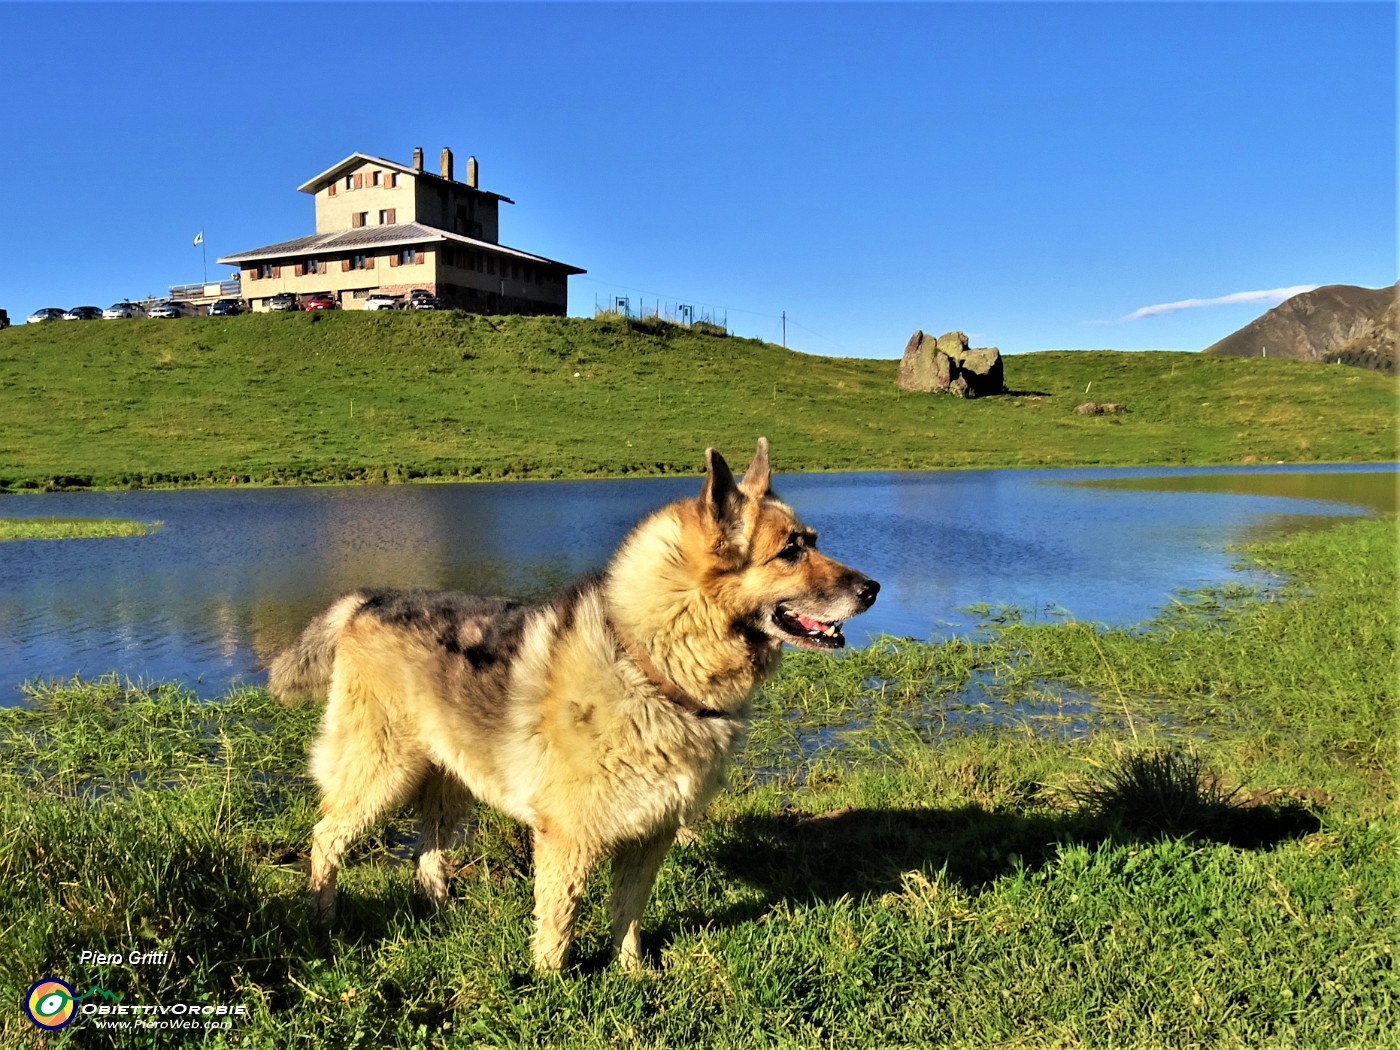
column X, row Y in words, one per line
column 923, row 879
column 72, row 528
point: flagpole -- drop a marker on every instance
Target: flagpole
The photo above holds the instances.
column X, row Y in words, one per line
column 203, row 252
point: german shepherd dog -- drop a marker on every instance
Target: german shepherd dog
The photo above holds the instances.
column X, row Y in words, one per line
column 603, row 719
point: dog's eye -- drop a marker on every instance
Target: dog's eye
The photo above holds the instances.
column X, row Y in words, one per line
column 795, row 546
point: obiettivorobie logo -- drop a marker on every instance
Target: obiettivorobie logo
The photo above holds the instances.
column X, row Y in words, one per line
column 52, row 1004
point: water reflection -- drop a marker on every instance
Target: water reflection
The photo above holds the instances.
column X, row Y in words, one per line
column 234, row 574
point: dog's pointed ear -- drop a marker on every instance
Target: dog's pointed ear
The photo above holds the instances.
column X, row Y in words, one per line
column 719, row 496
column 758, row 482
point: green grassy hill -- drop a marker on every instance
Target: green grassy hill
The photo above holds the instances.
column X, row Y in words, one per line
column 381, row 396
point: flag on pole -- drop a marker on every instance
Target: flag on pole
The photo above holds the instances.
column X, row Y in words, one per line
column 199, row 237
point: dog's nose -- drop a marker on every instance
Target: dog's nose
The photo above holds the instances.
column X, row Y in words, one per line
column 867, row 593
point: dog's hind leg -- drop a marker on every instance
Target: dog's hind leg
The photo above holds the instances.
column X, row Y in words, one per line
column 362, row 773
column 634, row 869
column 561, row 872
column 442, row 803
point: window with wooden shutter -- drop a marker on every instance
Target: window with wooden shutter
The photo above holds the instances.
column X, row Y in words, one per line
column 393, row 180
column 393, row 260
column 359, row 180
column 393, row 215
column 369, row 262
column 330, row 190
column 300, row 270
column 344, row 265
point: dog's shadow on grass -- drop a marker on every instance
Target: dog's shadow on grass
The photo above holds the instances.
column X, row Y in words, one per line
column 804, row 857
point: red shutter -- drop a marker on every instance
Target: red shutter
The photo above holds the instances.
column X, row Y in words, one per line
column 391, row 215
column 344, row 265
column 422, row 256
column 300, row 270
column 369, row 262
column 359, row 180
column 330, row 190
column 277, row 271
column 394, row 259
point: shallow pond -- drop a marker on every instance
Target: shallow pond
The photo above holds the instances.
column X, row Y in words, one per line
column 233, row 574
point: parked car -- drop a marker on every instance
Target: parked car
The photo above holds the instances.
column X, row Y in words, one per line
column 47, row 313
column 225, row 308
column 120, row 310
column 170, row 309
column 83, row 313
column 383, row 301
column 322, row 301
column 284, row 301
column 4, row 319
column 425, row 302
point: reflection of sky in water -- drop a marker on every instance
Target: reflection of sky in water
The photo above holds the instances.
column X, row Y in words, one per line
column 234, row 573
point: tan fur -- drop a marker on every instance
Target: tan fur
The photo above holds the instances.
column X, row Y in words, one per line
column 603, row 720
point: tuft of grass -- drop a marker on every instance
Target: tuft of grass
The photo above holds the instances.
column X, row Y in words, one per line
column 1170, row 791
column 1164, row 790
column 72, row 528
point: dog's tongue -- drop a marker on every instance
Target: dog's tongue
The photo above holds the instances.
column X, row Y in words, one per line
column 810, row 624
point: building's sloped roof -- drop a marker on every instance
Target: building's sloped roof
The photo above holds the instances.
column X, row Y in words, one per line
column 313, row 184
column 386, row 236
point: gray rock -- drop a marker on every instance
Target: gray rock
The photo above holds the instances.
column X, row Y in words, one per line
column 954, row 344
column 916, row 366
column 946, row 364
column 982, row 369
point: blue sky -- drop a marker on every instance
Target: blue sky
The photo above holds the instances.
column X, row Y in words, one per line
column 1040, row 175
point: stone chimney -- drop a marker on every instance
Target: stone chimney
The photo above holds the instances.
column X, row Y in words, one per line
column 446, row 170
column 417, row 158
column 471, row 172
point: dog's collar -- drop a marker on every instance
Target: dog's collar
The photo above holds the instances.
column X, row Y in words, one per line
column 664, row 685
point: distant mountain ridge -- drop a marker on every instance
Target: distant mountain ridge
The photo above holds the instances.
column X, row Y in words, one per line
column 1337, row 322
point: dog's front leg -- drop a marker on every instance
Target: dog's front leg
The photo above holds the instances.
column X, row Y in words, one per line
column 561, row 872
column 634, row 869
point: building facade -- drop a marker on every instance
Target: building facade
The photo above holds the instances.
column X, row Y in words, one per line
column 392, row 228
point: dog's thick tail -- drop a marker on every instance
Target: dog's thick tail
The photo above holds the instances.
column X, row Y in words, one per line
column 302, row 671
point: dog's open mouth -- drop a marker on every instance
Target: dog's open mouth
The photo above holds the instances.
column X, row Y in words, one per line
column 806, row 632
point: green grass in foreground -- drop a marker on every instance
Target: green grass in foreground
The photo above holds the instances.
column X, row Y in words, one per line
column 1054, row 837
column 72, row 528
column 355, row 396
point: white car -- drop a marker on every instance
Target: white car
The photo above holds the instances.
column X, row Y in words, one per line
column 48, row 313
column 383, row 301
column 117, row 310
column 169, row 309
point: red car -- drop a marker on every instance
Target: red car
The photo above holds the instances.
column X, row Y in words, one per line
column 322, row 301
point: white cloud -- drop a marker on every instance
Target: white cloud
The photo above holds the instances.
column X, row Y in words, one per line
column 1271, row 295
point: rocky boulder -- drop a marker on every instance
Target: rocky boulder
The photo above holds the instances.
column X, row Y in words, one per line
column 981, row 368
column 947, row 365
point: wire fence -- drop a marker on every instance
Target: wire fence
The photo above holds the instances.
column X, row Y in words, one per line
column 639, row 308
